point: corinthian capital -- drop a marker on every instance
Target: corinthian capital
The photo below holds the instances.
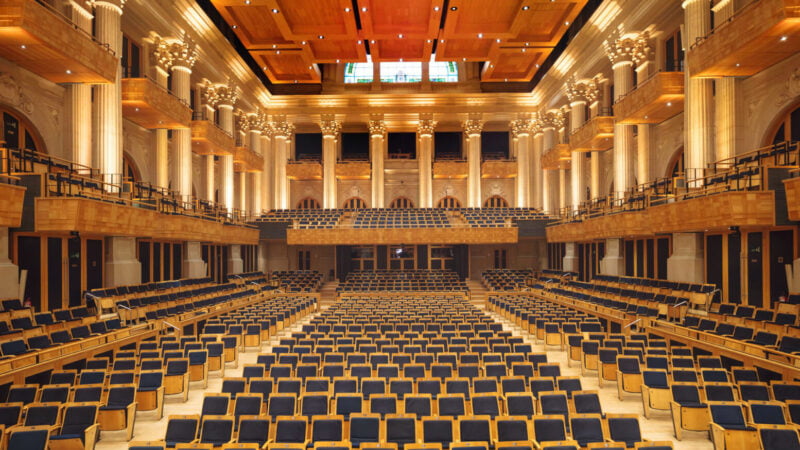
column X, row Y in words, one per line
column 524, row 125
column 281, row 127
column 221, row 94
column 627, row 47
column 377, row 127
column 256, row 121
column 242, row 122
column 582, row 90
column 329, row 125
column 426, row 125
column 552, row 119
column 175, row 52
column 473, row 125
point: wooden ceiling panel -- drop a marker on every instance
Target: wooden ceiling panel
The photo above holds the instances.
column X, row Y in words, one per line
column 514, row 63
column 464, row 49
column 337, row 50
column 287, row 65
column 401, row 50
column 254, row 24
column 545, row 21
column 386, row 19
column 308, row 19
column 468, row 18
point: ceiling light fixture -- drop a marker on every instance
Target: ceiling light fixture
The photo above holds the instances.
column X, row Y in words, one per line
column 784, row 38
column 347, row 10
column 235, row 27
column 480, row 35
column 304, row 42
column 69, row 72
column 246, row 2
column 526, row 7
column 364, row 9
column 320, row 37
column 400, row 36
column 23, row 46
column 275, row 11
column 497, row 40
column 454, row 8
column 566, row 23
column 436, row 8
column 669, row 103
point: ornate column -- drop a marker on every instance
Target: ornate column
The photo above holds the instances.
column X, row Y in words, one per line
column 425, row 153
column 256, row 124
column 579, row 94
column 78, row 97
column 698, row 100
column 183, row 54
column 550, row 122
column 473, row 127
column 241, row 193
column 521, row 131
column 330, row 130
column 725, row 97
column 377, row 133
column 537, row 177
column 620, row 51
column 108, row 97
column 267, row 176
column 282, row 133
column 223, row 97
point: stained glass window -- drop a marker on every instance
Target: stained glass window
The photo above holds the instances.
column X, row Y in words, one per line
column 443, row 72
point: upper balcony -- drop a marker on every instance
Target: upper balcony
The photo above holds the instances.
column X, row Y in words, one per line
column 353, row 170
column 304, row 170
column 596, row 135
column 209, row 139
column 757, row 36
column 246, row 160
column 559, row 157
column 654, row 100
column 455, row 169
column 41, row 40
column 499, row 169
column 150, row 106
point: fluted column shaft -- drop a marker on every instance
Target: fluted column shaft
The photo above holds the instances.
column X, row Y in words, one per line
column 243, row 191
column 267, row 183
column 725, row 98
column 699, row 100
column 329, row 170
column 181, row 87
column 594, row 176
column 79, row 100
column 643, row 153
column 524, row 169
column 577, row 119
column 538, row 174
column 548, row 141
column 281, row 182
column 225, row 112
column 108, row 97
column 623, row 134
column 256, row 191
column 376, row 156
column 425, row 154
column 210, row 169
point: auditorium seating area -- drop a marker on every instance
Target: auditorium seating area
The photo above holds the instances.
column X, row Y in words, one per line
column 107, row 393
column 419, row 372
column 298, row 280
column 506, row 279
column 700, row 391
column 421, row 280
column 401, row 218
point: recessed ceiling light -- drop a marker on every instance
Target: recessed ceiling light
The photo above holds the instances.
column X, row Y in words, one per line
column 435, row 8
column 359, row 42
column 278, row 52
column 441, row 41
column 566, row 23
column 235, row 27
column 737, row 64
column 784, row 38
column 347, row 10
column 304, row 42
column 401, row 59
column 337, row 61
column 527, row 44
column 320, row 37
column 23, row 46
column 246, row 2
column 669, row 103
column 364, row 9
column 264, row 68
column 646, row 117
column 137, row 109
column 506, row 80
column 400, row 36
column 69, row 72
column 537, row 66
column 463, row 59
column 274, row 46
column 372, row 41
column 497, row 40
column 429, row 41
column 480, row 35
column 275, row 11
column 523, row 50
column 454, row 8
column 526, row 7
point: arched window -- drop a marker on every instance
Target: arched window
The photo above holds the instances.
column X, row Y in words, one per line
column 495, row 201
column 448, row 202
column 401, row 203
column 308, row 203
column 675, row 167
column 18, row 132
column 355, row 203
column 129, row 169
column 788, row 127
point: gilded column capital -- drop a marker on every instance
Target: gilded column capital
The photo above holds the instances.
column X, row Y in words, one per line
column 552, row 119
column 473, row 125
column 586, row 90
column 220, row 94
column 627, row 47
column 242, row 121
column 256, row 121
column 281, row 127
column 377, row 127
column 329, row 125
column 171, row 53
